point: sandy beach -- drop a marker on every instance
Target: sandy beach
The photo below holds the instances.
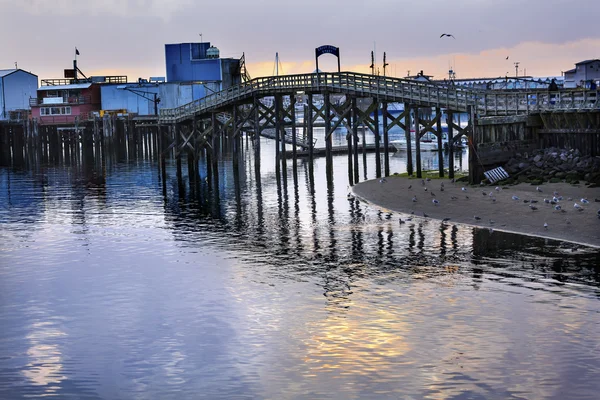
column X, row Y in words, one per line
column 499, row 211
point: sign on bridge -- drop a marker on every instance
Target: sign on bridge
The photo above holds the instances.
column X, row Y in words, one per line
column 327, row 49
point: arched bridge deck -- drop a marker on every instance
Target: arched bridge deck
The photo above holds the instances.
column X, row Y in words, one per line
column 387, row 89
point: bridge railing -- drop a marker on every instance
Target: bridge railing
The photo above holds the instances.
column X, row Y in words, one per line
column 486, row 102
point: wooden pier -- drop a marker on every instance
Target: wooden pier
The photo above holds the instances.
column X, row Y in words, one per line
column 288, row 109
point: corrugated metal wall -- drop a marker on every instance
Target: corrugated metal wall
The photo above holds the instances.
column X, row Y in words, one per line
column 15, row 91
column 171, row 95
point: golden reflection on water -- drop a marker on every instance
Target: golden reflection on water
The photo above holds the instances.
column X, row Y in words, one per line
column 45, row 365
column 356, row 346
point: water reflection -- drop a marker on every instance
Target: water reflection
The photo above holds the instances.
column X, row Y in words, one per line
column 272, row 282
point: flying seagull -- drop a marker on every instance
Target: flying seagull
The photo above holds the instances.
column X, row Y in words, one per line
column 507, row 57
column 447, row 34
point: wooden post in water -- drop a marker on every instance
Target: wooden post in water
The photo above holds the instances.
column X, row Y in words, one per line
column 450, row 122
column 310, row 127
column 418, row 143
column 386, row 140
column 474, row 170
column 328, row 137
column 438, row 116
column 355, row 137
column 278, row 136
column 215, row 151
column 407, row 125
column 293, row 123
column 349, row 139
column 377, row 138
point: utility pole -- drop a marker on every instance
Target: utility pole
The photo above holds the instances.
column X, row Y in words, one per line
column 516, row 69
column 384, row 63
column 372, row 63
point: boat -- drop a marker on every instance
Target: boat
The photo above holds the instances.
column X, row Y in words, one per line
column 428, row 142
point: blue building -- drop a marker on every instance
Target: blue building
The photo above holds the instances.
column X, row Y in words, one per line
column 16, row 88
column 139, row 98
column 200, row 62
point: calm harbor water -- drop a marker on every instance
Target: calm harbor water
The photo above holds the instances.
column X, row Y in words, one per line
column 113, row 286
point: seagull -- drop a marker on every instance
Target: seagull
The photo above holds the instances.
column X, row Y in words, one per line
column 498, row 188
column 464, row 189
column 452, row 181
column 534, row 201
column 435, row 202
column 432, row 194
column 448, row 219
column 492, row 222
column 453, row 198
column 493, row 199
column 546, row 201
column 538, row 189
column 442, row 184
column 428, row 179
column 484, row 193
column 507, row 57
column 546, row 225
column 447, row 34
column 425, row 215
column 410, row 186
column 557, row 207
column 585, row 201
column 555, row 193
column 425, row 189
column 477, row 218
column 414, row 199
column 442, row 189
column 578, row 207
column 515, row 198
column 556, row 200
column 423, row 182
column 382, row 180
column 525, row 201
column 467, row 197
column 400, row 220
column 533, row 208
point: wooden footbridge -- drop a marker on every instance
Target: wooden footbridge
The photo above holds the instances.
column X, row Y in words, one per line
column 269, row 106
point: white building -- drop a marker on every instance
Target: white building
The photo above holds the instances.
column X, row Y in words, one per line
column 16, row 88
column 583, row 74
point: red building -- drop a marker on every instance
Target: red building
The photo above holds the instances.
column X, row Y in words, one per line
column 66, row 101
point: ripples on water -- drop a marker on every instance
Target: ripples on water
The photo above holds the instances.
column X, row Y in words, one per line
column 113, row 286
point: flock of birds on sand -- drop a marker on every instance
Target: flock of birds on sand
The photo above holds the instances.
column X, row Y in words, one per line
column 557, row 202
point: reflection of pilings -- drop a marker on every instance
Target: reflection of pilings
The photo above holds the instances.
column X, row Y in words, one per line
column 438, row 117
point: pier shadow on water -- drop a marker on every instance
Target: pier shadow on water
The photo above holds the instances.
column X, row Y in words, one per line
column 273, row 282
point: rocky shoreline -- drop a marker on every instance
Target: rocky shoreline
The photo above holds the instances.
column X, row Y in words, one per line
column 554, row 165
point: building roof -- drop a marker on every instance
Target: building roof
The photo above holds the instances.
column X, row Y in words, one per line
column 571, row 71
column 587, row 61
column 64, row 87
column 5, row 72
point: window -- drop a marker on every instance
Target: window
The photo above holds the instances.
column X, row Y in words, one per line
column 44, row 111
column 198, row 51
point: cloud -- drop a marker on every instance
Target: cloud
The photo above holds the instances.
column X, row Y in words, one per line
column 83, row 8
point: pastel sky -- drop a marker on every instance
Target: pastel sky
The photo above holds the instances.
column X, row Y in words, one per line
column 127, row 37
